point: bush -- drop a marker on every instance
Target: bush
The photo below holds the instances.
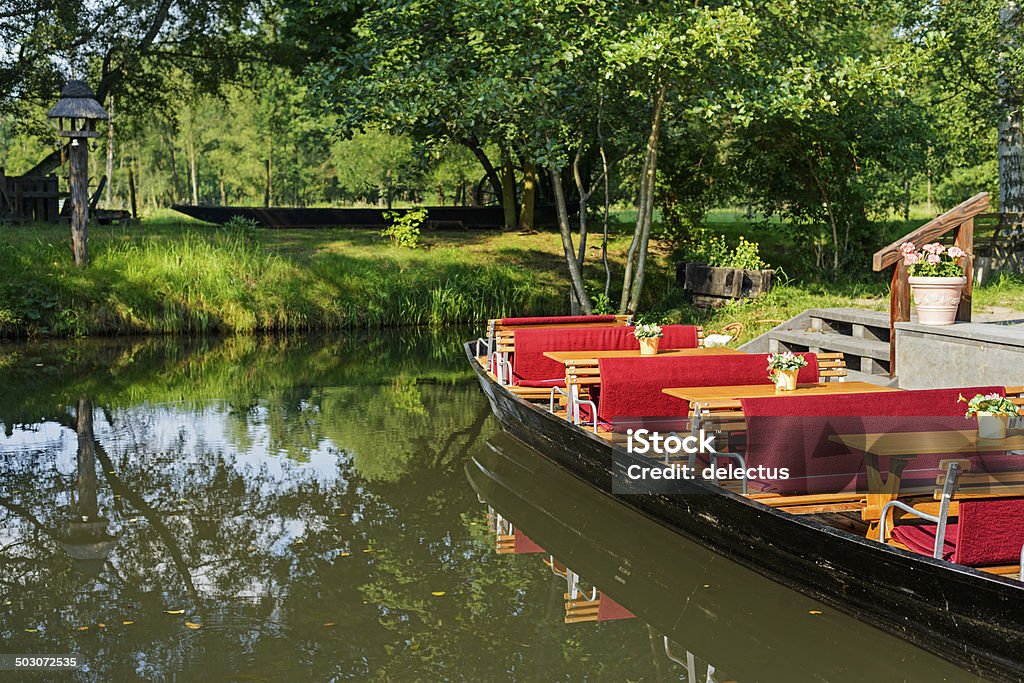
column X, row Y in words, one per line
column 703, row 246
column 404, row 230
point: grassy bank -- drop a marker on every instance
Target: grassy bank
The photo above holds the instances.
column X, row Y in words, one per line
column 167, row 276
column 177, row 277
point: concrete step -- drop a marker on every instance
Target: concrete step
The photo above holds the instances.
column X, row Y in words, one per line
column 853, row 322
column 870, row 356
column 880, row 380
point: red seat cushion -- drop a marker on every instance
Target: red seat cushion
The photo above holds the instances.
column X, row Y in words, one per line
column 609, row 610
column 921, row 538
column 793, row 432
column 523, row 544
column 632, row 387
column 530, row 368
column 559, row 320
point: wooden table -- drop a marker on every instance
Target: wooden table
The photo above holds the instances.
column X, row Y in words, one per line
column 902, row 447
column 593, row 356
column 735, row 392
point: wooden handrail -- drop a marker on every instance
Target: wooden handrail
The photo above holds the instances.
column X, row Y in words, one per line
column 961, row 219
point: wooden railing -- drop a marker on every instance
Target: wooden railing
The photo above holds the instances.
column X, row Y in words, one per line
column 960, row 219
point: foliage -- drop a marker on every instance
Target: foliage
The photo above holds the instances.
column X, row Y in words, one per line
column 703, row 246
column 995, row 404
column 404, row 227
column 785, row 361
column 647, row 331
column 932, row 260
column 603, row 304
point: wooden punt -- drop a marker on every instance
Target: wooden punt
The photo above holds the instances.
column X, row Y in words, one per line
column 970, row 617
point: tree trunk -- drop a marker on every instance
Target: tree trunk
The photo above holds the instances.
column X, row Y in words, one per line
column 131, row 189
column 79, row 182
column 193, row 180
column 491, row 175
column 526, row 211
column 223, row 192
column 508, row 190
column 267, row 189
column 634, row 283
column 1011, row 162
column 604, row 231
column 110, row 152
column 175, row 178
column 575, row 276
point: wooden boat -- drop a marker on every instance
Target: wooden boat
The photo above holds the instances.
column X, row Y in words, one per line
column 967, row 616
column 747, row 627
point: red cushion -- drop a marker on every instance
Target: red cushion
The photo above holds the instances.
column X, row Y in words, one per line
column 793, row 432
column 530, row 368
column 921, row 538
column 990, row 532
column 559, row 320
column 632, row 387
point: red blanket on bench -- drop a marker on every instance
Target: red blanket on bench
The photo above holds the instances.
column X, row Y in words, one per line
column 987, row 532
column 559, row 320
column 793, row 432
column 530, row 368
column 632, row 387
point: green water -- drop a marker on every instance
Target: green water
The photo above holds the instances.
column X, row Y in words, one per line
column 317, row 509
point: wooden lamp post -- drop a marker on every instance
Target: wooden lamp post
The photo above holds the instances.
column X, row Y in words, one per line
column 80, row 110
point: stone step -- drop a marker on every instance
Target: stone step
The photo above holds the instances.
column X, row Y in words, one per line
column 870, row 356
column 853, row 322
column 882, row 380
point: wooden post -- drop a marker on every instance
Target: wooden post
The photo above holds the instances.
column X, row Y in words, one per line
column 965, row 240
column 131, row 189
column 79, row 182
column 899, row 309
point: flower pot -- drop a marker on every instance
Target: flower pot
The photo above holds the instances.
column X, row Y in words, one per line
column 649, row 346
column 937, row 298
column 992, row 426
column 785, row 380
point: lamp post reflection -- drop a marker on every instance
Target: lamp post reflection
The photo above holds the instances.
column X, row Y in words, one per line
column 87, row 542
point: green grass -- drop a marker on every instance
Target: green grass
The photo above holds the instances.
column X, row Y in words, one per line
column 184, row 277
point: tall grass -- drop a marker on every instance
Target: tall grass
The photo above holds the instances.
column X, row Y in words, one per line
column 227, row 282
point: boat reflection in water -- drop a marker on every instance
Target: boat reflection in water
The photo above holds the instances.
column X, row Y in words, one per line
column 718, row 620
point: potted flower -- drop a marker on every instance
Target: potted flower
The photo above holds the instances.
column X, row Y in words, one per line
column 936, row 280
column 993, row 412
column 783, row 369
column 648, row 336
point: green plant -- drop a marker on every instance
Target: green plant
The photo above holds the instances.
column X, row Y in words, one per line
column 603, row 305
column 989, row 403
column 784, row 362
column 933, row 260
column 404, row 227
column 704, row 246
column 648, row 331
column 241, row 228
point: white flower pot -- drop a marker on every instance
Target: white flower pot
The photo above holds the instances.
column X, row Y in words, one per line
column 992, row 426
column 785, row 380
column 649, row 346
column 937, row 298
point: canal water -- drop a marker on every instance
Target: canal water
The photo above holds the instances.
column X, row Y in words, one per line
column 332, row 509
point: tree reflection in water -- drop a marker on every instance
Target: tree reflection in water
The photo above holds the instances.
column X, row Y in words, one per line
column 301, row 501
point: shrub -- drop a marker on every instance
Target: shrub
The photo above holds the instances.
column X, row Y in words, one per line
column 404, row 228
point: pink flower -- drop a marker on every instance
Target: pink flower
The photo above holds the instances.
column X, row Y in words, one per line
column 907, row 248
column 956, row 252
column 911, row 258
column 934, row 258
column 934, row 248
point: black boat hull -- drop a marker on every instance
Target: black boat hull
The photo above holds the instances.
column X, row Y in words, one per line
column 967, row 616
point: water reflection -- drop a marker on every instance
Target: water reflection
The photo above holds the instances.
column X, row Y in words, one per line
column 268, row 509
column 714, row 619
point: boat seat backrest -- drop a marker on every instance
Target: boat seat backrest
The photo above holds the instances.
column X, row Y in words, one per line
column 794, row 432
column 530, row 367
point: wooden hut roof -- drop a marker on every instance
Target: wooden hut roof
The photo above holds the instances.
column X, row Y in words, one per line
column 77, row 101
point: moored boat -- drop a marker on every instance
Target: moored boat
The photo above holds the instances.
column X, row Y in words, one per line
column 972, row 617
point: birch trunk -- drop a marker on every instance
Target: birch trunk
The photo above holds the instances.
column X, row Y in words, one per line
column 579, row 291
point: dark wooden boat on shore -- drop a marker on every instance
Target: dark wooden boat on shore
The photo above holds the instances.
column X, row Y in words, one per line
column 747, row 627
column 438, row 217
column 967, row 616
